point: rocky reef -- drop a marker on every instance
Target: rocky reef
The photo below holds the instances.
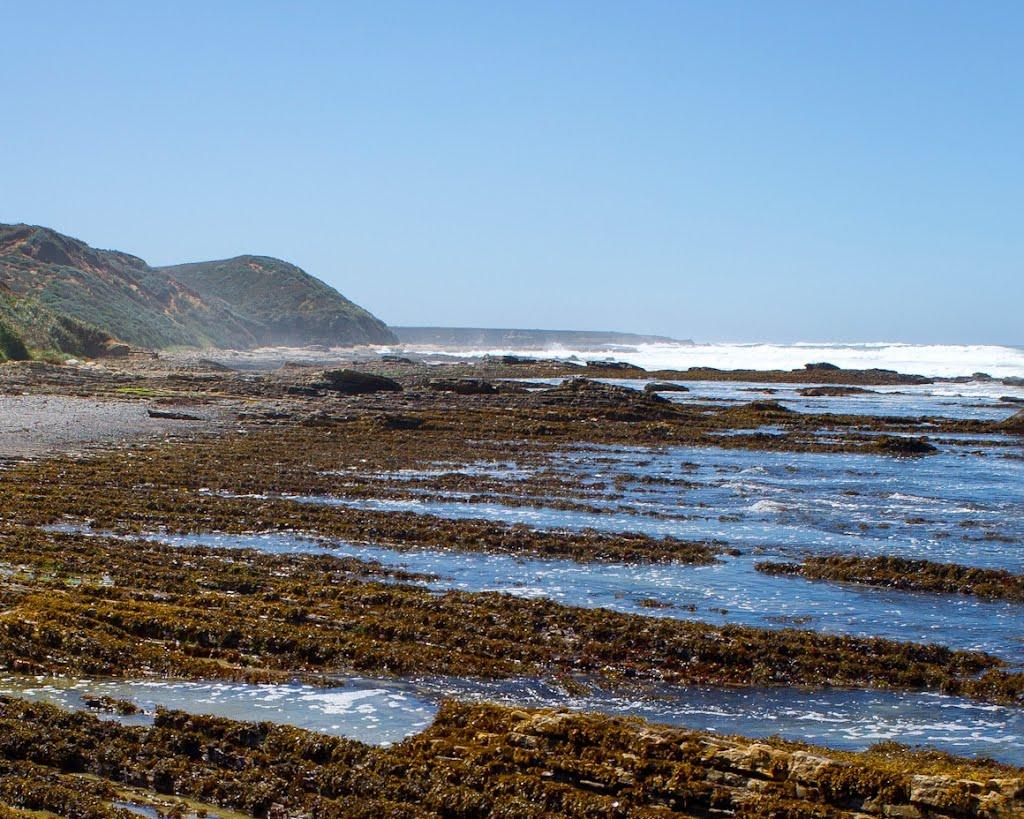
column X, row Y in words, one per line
column 85, row 605
column 909, row 575
column 477, row 760
column 326, row 455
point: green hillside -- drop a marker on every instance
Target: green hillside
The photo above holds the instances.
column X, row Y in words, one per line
column 286, row 304
column 58, row 293
column 26, row 325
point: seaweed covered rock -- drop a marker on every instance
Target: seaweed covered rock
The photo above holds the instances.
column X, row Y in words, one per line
column 462, row 386
column 895, row 572
column 834, row 390
column 480, row 760
column 611, row 400
column 903, row 446
column 1014, row 424
column 352, row 382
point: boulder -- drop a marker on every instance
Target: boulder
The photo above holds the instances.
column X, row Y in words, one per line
column 115, row 349
column 616, row 365
column 400, row 422
column 832, row 391
column 1014, row 424
column 351, row 382
column 462, row 386
column 766, row 407
column 904, row 447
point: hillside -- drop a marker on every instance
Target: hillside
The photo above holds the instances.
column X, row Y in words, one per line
column 287, row 306
column 56, row 291
column 26, row 324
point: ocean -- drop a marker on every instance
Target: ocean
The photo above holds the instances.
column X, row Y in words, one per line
column 938, row 360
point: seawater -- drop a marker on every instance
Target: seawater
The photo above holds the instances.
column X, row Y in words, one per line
column 385, row 711
column 936, row 360
column 962, row 505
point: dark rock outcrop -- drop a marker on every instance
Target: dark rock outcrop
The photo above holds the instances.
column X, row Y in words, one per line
column 621, row 366
column 352, row 382
column 903, row 446
column 462, row 386
column 832, row 391
column 1014, row 424
column 613, row 401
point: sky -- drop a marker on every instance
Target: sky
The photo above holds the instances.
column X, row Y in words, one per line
column 849, row 170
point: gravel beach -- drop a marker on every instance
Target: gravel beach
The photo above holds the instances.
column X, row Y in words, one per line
column 34, row 425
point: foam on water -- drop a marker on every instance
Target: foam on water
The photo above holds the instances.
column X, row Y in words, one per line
column 386, row 711
column 374, row 711
column 953, row 507
column 974, row 400
column 942, row 360
column 730, row 591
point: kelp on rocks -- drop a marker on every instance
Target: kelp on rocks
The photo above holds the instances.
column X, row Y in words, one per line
column 906, row 574
column 94, row 606
column 481, row 760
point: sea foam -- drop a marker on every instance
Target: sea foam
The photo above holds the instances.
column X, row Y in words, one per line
column 941, row 360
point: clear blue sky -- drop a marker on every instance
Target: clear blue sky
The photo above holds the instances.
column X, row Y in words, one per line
column 842, row 170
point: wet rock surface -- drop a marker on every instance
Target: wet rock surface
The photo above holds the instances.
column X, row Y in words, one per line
column 273, row 445
column 481, row 761
column 1014, row 424
column 912, row 575
column 352, row 382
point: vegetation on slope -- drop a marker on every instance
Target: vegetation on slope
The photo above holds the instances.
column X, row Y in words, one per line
column 27, row 325
column 59, row 293
column 286, row 305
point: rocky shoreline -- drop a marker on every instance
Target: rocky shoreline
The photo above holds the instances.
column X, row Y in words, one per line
column 193, row 447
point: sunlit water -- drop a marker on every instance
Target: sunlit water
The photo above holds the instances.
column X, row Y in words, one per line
column 945, row 360
column 727, row 592
column 953, row 507
column 384, row 711
column 986, row 401
column 963, row 505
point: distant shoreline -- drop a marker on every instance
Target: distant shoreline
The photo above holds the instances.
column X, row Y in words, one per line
column 526, row 339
